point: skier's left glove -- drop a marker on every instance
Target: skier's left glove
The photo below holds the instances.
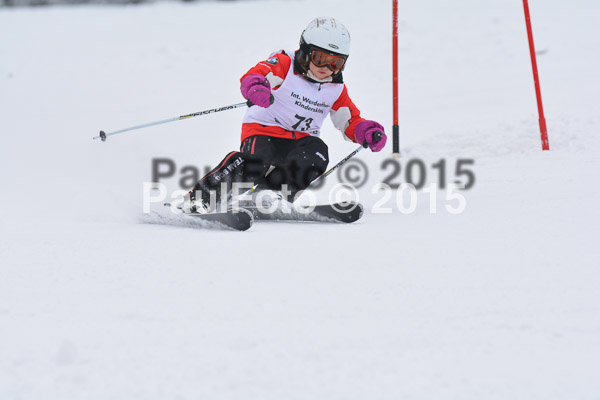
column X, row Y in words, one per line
column 370, row 133
column 257, row 89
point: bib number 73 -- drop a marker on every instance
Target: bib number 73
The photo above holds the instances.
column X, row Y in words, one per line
column 301, row 119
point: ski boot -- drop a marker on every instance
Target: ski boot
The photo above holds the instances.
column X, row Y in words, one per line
column 192, row 205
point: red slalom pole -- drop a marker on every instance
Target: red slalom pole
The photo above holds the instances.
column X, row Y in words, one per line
column 395, row 127
column 536, row 79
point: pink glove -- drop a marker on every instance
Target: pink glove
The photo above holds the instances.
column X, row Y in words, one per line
column 257, row 89
column 364, row 132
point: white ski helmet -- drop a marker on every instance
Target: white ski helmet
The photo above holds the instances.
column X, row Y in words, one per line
column 328, row 34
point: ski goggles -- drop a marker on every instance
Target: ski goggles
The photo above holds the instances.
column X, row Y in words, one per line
column 322, row 59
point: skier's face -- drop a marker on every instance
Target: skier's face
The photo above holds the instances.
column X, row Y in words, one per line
column 320, row 72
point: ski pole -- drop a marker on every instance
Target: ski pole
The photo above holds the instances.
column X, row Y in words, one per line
column 336, row 166
column 376, row 138
column 103, row 135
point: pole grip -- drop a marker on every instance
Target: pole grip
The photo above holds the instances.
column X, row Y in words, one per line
column 271, row 101
column 376, row 138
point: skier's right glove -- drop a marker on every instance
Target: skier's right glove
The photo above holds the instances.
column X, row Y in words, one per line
column 257, row 89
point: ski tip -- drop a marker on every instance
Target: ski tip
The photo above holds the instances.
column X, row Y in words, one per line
column 354, row 212
column 244, row 217
column 346, row 211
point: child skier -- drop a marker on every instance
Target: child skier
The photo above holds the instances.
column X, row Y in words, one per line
column 290, row 95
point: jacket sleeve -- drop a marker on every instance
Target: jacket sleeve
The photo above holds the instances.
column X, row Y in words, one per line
column 274, row 69
column 345, row 116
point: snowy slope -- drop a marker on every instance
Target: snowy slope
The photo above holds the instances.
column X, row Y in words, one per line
column 498, row 302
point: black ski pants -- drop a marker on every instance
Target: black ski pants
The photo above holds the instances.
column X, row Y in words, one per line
column 296, row 162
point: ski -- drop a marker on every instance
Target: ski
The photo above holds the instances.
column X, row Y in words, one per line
column 346, row 212
column 240, row 220
column 236, row 219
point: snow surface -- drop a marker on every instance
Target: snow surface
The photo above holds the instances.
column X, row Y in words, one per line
column 498, row 302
